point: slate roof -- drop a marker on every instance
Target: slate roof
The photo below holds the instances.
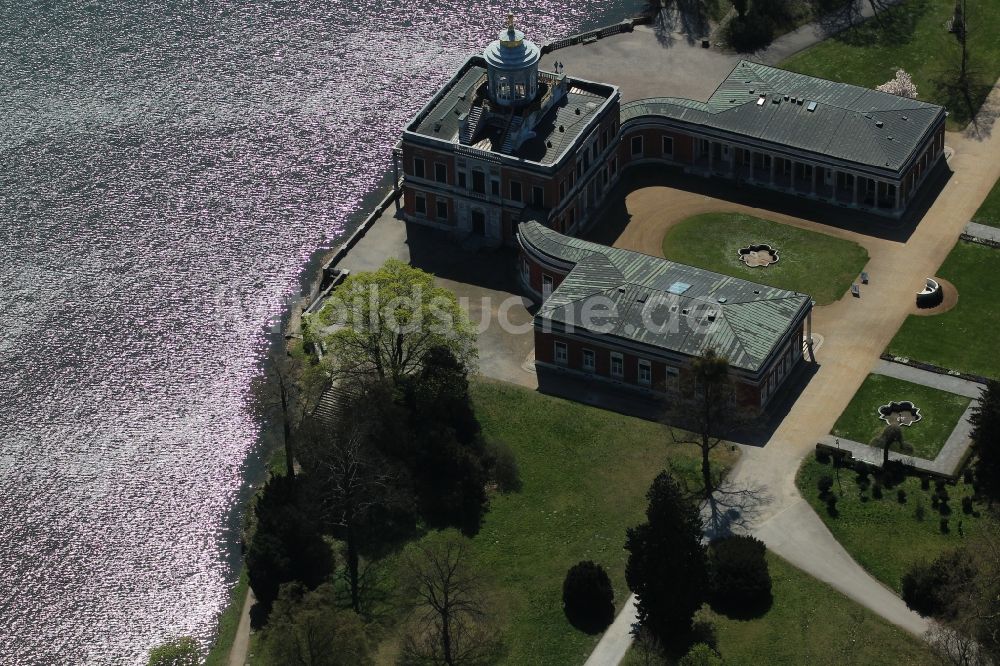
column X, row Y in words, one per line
column 442, row 119
column 741, row 320
column 850, row 123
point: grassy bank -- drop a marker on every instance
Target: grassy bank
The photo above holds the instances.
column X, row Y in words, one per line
column 913, row 36
column 887, row 536
column 809, row 262
column 940, row 412
column 229, row 621
column 965, row 337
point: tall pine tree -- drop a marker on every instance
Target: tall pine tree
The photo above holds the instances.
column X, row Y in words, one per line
column 667, row 564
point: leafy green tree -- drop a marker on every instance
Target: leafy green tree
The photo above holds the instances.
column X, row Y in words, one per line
column 307, row 629
column 182, row 651
column 447, row 457
column 932, row 589
column 707, row 406
column 452, row 611
column 285, row 546
column 986, row 440
column 667, row 567
column 385, row 322
column 700, row 655
column 891, row 436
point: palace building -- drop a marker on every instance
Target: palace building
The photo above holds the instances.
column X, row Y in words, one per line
column 633, row 320
column 513, row 155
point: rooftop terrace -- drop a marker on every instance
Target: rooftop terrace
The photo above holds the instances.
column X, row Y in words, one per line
column 461, row 113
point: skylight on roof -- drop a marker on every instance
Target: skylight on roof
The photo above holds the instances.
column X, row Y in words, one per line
column 811, row 106
column 678, row 288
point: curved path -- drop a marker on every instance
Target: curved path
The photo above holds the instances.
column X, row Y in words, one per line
column 855, row 332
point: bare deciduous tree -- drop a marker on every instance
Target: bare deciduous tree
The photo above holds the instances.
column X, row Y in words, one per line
column 451, row 604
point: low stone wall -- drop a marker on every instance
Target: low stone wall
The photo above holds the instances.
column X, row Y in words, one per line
column 910, row 464
column 936, row 369
column 989, row 242
column 598, row 33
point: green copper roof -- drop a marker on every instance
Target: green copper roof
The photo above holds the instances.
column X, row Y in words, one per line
column 664, row 304
column 839, row 120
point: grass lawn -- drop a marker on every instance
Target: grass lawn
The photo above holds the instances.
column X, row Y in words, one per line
column 940, row 411
column 964, row 338
column 989, row 212
column 884, row 535
column 913, row 36
column 809, row 262
column 810, row 622
column 585, row 473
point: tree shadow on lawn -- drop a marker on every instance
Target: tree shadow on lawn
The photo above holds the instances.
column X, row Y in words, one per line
column 736, row 611
column 890, row 27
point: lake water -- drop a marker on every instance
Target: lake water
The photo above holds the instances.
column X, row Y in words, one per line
column 166, row 170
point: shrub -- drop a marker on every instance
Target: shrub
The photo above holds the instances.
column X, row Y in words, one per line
column 863, row 481
column 831, row 505
column 700, row 655
column 503, row 466
column 825, row 483
column 183, row 651
column 893, row 473
column 942, row 494
column 739, row 577
column 877, row 490
column 901, row 496
column 944, row 509
column 967, row 505
column 703, row 630
column 919, row 511
column 939, row 485
column 822, row 455
column 967, row 476
column 925, row 482
column 944, row 526
column 588, row 598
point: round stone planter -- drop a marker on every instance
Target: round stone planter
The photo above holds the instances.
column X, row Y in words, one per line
column 903, row 413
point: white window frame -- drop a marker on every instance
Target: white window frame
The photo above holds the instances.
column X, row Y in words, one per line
column 644, row 365
column 547, row 281
column 560, row 353
column 585, row 355
column 616, row 356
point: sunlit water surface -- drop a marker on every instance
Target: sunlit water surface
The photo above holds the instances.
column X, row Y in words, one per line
column 166, row 172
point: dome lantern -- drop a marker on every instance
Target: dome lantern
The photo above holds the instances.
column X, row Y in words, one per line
column 512, row 64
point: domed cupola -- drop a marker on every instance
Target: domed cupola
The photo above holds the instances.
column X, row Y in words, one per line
column 512, row 62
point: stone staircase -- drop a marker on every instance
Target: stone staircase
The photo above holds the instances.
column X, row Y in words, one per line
column 508, row 140
column 471, row 126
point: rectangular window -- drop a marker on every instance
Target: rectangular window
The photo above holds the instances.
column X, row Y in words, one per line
column 668, row 146
column 546, row 286
column 645, row 372
column 588, row 360
column 440, row 172
column 636, row 145
column 442, row 211
column 479, row 182
column 462, row 181
column 418, row 167
column 495, row 187
column 537, row 196
column 562, row 354
column 617, row 365
column 421, row 205
column 515, row 190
